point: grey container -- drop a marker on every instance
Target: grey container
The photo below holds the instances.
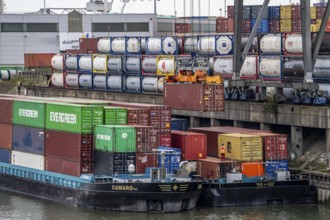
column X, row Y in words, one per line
column 28, row 139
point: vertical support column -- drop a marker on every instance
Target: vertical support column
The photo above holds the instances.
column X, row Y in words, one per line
column 296, row 142
column 239, row 124
column 265, row 127
column 214, row 122
column 194, row 122
column 238, row 8
column 263, row 93
column 327, row 145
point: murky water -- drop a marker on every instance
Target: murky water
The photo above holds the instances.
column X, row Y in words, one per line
column 14, row 206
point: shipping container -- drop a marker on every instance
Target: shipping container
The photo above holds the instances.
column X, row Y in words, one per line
column 69, row 146
column 214, row 168
column 164, row 139
column 5, row 156
column 6, row 136
column 67, row 167
column 133, row 45
column 100, row 63
column 179, row 124
column 28, row 160
column 149, row 65
column 38, row 60
column 263, row 27
column 270, row 68
column 115, row 115
column 276, row 165
column 29, row 113
column 295, row 12
column 274, row 12
column 88, row 44
column 313, row 12
column 6, row 110
column 286, row 25
column 144, row 160
column 115, row 64
column 320, row 12
column 132, row 64
column 274, row 26
column 224, row 25
column 206, row 98
column 292, row 44
column 286, row 11
column 146, row 138
column 270, row 44
column 296, row 25
column 172, row 158
column 138, row 116
column 249, row 69
column 85, row 63
column 293, row 69
column 113, row 163
column 28, row 139
column 182, row 28
column 253, row 169
column 246, row 12
column 255, row 11
column 246, row 26
column 230, row 11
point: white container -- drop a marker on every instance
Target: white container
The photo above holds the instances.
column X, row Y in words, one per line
column 57, row 79
column 133, row 83
column 71, row 80
column 57, row 62
column 100, row 63
column 7, row 74
column 223, row 65
column 28, row 160
column 271, row 44
column 115, row 82
column 191, row 45
column 270, row 67
column 249, row 68
column 100, row 82
column 150, row 84
column 161, row 84
column 85, row 63
column 322, row 67
column 133, row 45
column 224, row 45
column 206, row 45
column 85, row 81
column 165, row 65
column 154, row 45
column 103, row 45
column 169, row 45
column 71, row 63
column 143, row 44
column 149, row 64
column 118, row 45
column 13, row 73
column 115, row 64
column 132, row 64
column 293, row 43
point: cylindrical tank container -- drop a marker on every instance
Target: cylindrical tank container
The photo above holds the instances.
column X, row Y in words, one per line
column 224, row 45
column 100, row 64
column 206, row 44
column 100, row 82
column 133, row 45
column 190, row 45
column 154, row 45
column 149, row 65
column 115, row 64
column 143, row 45
column 7, row 74
column 270, row 68
column 165, row 66
column 150, row 84
column 271, row 44
column 71, row 80
column 250, row 68
column 132, row 64
column 57, row 79
column 325, row 46
column 57, row 62
column 85, row 64
column 103, row 45
column 86, row 81
column 254, row 46
column 117, row 45
column 133, row 84
column 322, row 68
column 169, row 45
column 71, row 62
column 115, row 83
column 293, row 44
column 223, row 66
column 293, row 69
column 161, row 84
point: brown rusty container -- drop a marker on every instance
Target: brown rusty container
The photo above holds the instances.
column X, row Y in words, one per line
column 182, row 28
column 164, row 140
column 6, row 136
column 246, row 25
column 214, row 168
column 146, row 138
column 230, row 11
column 144, row 160
column 68, row 167
column 6, row 110
column 38, row 60
column 274, row 26
column 295, row 12
column 137, row 116
column 69, row 146
column 88, row 44
column 296, row 25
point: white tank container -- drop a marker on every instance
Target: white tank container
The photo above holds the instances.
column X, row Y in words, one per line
column 165, row 65
column 224, row 45
column 161, row 84
column 57, row 79
column 115, row 82
column 71, row 80
column 322, row 67
column 7, row 74
column 154, row 45
column 191, row 45
column 169, row 45
column 28, row 160
column 133, row 45
column 13, row 73
column 118, row 45
column 57, row 62
column 149, row 64
column 100, row 82
column 71, row 63
column 85, row 63
column 100, row 63
column 150, row 84
column 143, row 44
column 132, row 64
column 206, row 45
column 270, row 67
column 85, row 80
column 249, row 68
column 223, row 65
column 115, row 64
column 103, row 45
column 271, row 43
column 133, row 83
column 293, row 43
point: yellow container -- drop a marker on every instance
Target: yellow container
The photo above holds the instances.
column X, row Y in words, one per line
column 313, row 12
column 286, row 25
column 100, row 63
column 286, row 11
column 318, row 24
column 165, row 65
column 242, row 147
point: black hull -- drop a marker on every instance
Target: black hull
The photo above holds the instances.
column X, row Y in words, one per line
column 249, row 194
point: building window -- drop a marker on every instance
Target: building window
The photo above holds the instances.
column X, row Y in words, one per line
column 12, row 27
column 138, row 27
column 108, row 27
column 165, row 27
column 42, row 27
column 75, row 22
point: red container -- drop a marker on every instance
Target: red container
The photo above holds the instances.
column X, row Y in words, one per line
column 182, row 28
column 296, row 25
column 274, row 26
column 230, row 25
column 38, row 60
column 144, row 160
column 230, row 11
column 192, row 145
column 253, row 169
column 320, row 12
column 195, row 97
column 214, row 168
column 69, row 146
column 88, row 44
column 6, row 131
column 246, row 26
column 6, row 109
column 165, row 115
column 224, row 25
column 146, row 138
column 68, row 167
column 164, row 140
column 137, row 116
column 327, row 29
column 295, row 12
column 80, row 51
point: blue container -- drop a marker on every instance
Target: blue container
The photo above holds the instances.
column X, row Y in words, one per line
column 179, row 124
column 263, row 28
column 28, row 139
column 246, row 12
column 273, row 165
column 5, row 156
column 274, row 12
column 255, row 11
column 172, row 161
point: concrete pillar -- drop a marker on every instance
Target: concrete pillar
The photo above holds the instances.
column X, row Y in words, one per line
column 194, row 122
column 214, row 122
column 327, row 146
column 239, row 124
column 263, row 93
column 296, row 142
column 265, row 127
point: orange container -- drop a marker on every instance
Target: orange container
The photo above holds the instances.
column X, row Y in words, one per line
column 253, row 169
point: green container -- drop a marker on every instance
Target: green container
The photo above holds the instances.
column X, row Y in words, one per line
column 115, row 115
column 119, row 139
column 29, row 113
column 69, row 118
column 98, row 116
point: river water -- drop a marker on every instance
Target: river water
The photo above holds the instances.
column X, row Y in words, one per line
column 14, row 206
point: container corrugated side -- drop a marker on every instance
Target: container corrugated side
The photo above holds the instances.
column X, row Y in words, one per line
column 179, row 124
column 29, row 113
column 28, row 160
column 214, row 168
column 6, row 136
column 98, row 116
column 253, row 169
column 28, row 139
column 6, row 110
column 146, row 138
column 144, row 160
column 171, row 160
column 5, row 156
column 115, row 115
column 274, row 165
